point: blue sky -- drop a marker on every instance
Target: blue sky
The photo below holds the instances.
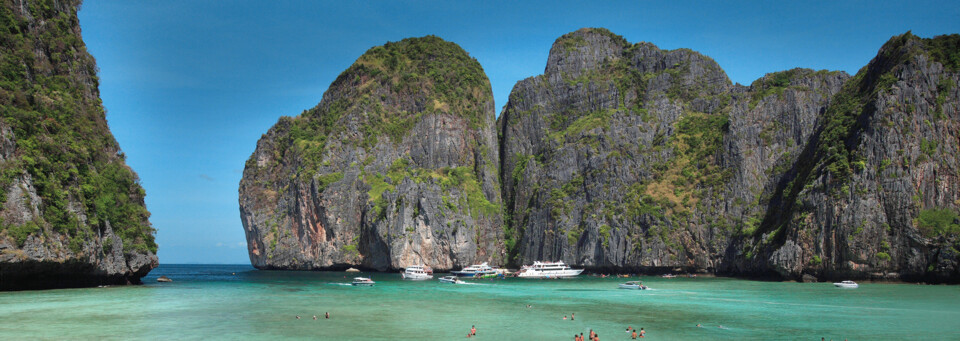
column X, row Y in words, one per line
column 189, row 86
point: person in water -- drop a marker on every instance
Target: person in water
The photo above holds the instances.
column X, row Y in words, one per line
column 298, row 317
column 473, row 330
column 326, row 315
column 642, row 332
column 634, row 335
column 698, row 326
column 314, row 317
column 572, row 315
column 564, row 317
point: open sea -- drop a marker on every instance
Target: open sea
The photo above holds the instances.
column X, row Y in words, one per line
column 237, row 302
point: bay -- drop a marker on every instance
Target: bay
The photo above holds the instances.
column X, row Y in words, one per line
column 237, row 302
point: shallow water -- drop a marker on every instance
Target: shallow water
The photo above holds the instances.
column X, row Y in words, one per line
column 237, row 302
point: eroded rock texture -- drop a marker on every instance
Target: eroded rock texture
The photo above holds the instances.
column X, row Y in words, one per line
column 397, row 165
column 628, row 157
column 71, row 212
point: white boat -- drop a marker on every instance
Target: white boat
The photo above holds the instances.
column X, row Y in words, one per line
column 451, row 280
column 669, row 276
column 362, row 282
column 473, row 270
column 548, row 270
column 847, row 284
column 636, row 285
column 417, row 272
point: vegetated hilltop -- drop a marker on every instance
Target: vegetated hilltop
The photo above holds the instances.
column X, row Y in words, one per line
column 624, row 157
column 396, row 166
column 72, row 211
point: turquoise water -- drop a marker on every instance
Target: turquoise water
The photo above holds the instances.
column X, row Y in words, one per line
column 236, row 302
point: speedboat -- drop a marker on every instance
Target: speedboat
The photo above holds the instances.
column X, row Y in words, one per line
column 451, row 280
column 362, row 282
column 637, row 285
column 669, row 276
column 417, row 272
column 548, row 270
column 474, row 270
column 847, row 284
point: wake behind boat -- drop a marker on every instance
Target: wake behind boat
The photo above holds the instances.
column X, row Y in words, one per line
column 548, row 270
column 417, row 272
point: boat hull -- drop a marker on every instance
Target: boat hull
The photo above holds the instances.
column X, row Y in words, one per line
column 362, row 284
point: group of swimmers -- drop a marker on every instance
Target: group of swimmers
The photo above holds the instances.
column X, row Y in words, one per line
column 326, row 315
column 634, row 333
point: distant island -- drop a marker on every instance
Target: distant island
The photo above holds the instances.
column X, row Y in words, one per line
column 620, row 157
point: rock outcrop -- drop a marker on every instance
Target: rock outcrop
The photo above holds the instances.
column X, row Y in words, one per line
column 71, row 212
column 619, row 157
column 397, row 165
column 625, row 157
column 876, row 192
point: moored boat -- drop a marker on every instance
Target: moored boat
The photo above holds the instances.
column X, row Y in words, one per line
column 548, row 270
column 636, row 285
column 473, row 270
column 362, row 282
column 847, row 284
column 417, row 272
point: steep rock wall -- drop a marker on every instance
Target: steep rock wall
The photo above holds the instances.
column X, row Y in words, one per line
column 71, row 212
column 396, row 166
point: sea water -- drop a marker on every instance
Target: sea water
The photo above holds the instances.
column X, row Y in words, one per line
column 227, row 302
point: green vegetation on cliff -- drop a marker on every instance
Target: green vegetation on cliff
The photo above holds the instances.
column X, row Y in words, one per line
column 937, row 222
column 50, row 103
column 393, row 86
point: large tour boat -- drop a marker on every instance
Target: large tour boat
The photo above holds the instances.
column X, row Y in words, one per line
column 548, row 270
column 474, row 270
column 417, row 272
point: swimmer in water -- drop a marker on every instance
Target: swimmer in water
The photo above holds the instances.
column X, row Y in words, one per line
column 326, row 315
column 699, row 326
column 473, row 330
column 314, row 317
column 564, row 317
column 642, row 332
column 298, row 317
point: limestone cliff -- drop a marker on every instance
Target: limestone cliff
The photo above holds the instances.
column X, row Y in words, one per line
column 71, row 211
column 877, row 191
column 628, row 157
column 397, row 165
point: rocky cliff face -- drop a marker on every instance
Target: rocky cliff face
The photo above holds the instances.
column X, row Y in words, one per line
column 620, row 157
column 628, row 157
column 72, row 212
column 397, row 165
column 876, row 193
